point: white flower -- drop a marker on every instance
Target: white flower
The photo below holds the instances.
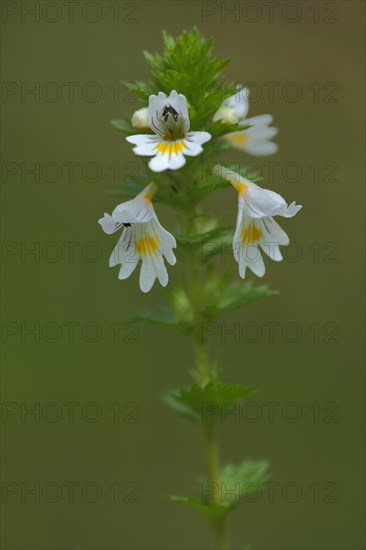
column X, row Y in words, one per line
column 140, row 119
column 256, row 139
column 172, row 140
column 255, row 226
column 226, row 114
column 142, row 238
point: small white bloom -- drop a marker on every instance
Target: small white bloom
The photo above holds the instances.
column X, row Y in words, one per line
column 226, row 114
column 143, row 238
column 172, row 140
column 140, row 119
column 255, row 226
column 256, row 139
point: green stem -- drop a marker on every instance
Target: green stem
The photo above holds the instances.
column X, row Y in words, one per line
column 203, row 369
column 204, row 375
column 220, row 525
column 212, row 450
column 212, row 457
column 204, row 372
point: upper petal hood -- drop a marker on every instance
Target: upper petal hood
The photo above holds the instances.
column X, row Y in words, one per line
column 157, row 105
column 260, row 202
column 257, row 202
column 239, row 102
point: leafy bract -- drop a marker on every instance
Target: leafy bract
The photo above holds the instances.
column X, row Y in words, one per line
column 207, row 404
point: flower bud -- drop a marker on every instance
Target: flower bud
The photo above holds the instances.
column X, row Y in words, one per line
column 226, row 115
column 181, row 305
column 140, row 119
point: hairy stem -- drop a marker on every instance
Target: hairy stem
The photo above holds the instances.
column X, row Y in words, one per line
column 203, row 370
column 205, row 375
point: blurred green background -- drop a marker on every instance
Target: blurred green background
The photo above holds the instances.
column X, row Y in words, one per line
column 161, row 453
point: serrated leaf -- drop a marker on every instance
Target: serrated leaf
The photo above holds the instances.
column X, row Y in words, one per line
column 234, row 484
column 124, row 125
column 176, row 406
column 199, row 239
column 207, row 404
column 188, row 65
column 221, row 244
column 211, row 510
column 164, row 317
column 237, row 295
column 246, row 479
column 129, row 189
column 244, row 171
column 218, row 129
column 210, row 184
column 168, row 40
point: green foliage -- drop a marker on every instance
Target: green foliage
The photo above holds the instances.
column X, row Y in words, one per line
column 244, row 171
column 199, row 239
column 221, row 296
column 135, row 182
column 249, row 476
column 207, row 404
column 218, row 129
column 129, row 189
column 221, row 244
column 141, row 90
column 182, row 307
column 213, row 511
column 234, row 484
column 163, row 317
column 188, row 66
column 124, row 125
column 207, row 184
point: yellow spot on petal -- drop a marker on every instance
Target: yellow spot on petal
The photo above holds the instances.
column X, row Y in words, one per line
column 161, row 147
column 236, row 181
column 178, row 146
column 148, row 244
column 169, row 148
column 241, row 188
column 251, row 233
column 238, row 139
column 148, row 198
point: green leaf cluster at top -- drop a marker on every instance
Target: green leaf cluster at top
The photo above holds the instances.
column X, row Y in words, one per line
column 188, row 66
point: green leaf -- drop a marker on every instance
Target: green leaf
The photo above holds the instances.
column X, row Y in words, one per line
column 140, row 90
column 124, row 125
column 129, row 190
column 221, row 244
column 211, row 510
column 243, row 480
column 178, row 407
column 188, row 66
column 235, row 483
column 207, row 404
column 209, row 184
column 135, row 182
column 164, row 317
column 199, row 239
column 244, row 171
column 218, row 129
column 168, row 40
column 234, row 296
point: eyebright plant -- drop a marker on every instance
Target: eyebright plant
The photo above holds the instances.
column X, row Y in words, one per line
column 189, row 117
